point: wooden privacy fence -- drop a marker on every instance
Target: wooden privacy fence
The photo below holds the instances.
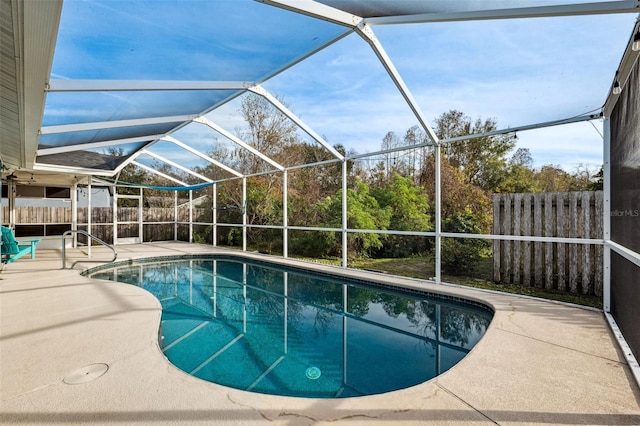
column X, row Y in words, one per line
column 158, row 222
column 572, row 267
column 38, row 215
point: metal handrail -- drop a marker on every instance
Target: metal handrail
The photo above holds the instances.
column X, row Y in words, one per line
column 78, row 231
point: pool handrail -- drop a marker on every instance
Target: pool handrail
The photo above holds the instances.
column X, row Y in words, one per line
column 79, row 231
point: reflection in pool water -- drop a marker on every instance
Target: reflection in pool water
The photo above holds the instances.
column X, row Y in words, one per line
column 269, row 329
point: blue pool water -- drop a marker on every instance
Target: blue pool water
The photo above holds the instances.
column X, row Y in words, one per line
column 264, row 328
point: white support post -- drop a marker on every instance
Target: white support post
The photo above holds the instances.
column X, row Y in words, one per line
column 190, row 216
column 606, row 217
column 175, row 215
column 140, row 218
column 345, row 333
column 74, row 213
column 191, row 282
column 244, row 298
column 215, row 215
column 285, row 322
column 438, row 219
column 285, row 216
column 114, row 219
column 1, row 201
column 12, row 204
column 90, row 215
column 438, row 334
column 215, row 289
column 244, row 214
column 345, row 241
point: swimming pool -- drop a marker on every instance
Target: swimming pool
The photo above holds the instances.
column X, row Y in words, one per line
column 267, row 328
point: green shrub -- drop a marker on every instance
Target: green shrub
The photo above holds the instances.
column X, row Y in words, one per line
column 460, row 256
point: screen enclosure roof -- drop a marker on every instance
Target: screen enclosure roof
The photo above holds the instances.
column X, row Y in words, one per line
column 161, row 81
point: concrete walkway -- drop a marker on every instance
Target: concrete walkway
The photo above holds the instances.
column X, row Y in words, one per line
column 539, row 363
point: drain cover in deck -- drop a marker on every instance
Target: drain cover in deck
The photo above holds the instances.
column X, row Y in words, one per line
column 86, row 374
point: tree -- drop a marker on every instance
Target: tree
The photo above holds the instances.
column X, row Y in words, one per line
column 459, row 196
column 409, row 207
column 269, row 131
column 522, row 157
column 390, row 141
column 363, row 212
column 461, row 255
column 597, row 181
column 409, row 204
column 586, row 179
column 520, row 175
column 482, row 159
column 553, row 179
column 417, row 157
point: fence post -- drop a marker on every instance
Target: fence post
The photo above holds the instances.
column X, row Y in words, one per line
column 573, row 248
column 561, row 199
column 537, row 246
column 506, row 230
column 548, row 247
column 496, row 243
column 526, row 230
column 598, row 250
column 587, row 284
column 517, row 245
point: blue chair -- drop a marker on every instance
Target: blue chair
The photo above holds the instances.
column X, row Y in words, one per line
column 13, row 249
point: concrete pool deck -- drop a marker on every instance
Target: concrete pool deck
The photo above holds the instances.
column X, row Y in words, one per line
column 539, row 362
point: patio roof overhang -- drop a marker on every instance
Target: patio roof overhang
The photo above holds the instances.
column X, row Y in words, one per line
column 85, row 100
column 29, row 31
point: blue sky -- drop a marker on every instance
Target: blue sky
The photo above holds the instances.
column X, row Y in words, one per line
column 518, row 72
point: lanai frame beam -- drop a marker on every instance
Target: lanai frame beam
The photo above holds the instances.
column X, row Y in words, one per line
column 154, row 171
column 259, row 90
column 94, row 145
column 100, row 125
column 578, row 9
column 201, row 155
column 238, row 141
column 141, row 85
column 176, row 165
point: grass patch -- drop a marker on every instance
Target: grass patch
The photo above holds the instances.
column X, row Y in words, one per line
column 424, row 268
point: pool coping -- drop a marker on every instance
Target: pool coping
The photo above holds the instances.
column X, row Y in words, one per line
column 305, row 267
column 505, row 378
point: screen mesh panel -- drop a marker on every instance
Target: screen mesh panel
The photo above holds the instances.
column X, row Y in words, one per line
column 625, row 209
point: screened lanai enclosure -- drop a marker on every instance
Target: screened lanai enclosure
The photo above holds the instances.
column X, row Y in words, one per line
column 460, row 141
